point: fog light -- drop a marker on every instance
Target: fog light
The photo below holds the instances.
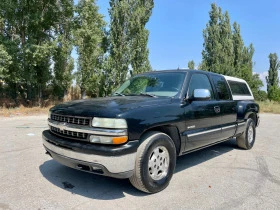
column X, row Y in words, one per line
column 101, row 139
column 108, row 139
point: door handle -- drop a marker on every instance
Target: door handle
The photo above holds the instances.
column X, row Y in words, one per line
column 217, row 109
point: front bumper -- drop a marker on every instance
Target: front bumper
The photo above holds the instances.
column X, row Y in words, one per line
column 110, row 161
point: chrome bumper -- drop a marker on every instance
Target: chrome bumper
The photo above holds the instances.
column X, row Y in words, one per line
column 114, row 166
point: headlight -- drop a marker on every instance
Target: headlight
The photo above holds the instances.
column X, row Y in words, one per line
column 109, row 123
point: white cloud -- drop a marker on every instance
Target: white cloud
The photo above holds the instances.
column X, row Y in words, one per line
column 262, row 76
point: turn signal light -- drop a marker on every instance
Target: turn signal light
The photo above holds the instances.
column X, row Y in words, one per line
column 119, row 140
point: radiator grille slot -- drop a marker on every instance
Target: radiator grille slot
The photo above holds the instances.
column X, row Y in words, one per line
column 69, row 134
column 71, row 120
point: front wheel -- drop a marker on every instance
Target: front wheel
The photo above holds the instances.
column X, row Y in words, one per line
column 247, row 139
column 155, row 163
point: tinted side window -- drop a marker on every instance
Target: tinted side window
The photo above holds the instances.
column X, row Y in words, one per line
column 221, row 87
column 199, row 81
column 239, row 88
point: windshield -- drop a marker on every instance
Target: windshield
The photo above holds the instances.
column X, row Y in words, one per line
column 155, row 84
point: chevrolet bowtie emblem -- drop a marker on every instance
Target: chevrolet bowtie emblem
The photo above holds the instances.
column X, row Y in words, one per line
column 62, row 126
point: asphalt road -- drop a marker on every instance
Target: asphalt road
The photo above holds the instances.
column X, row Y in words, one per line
column 219, row 177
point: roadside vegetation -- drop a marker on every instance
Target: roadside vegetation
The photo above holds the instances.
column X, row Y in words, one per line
column 37, row 40
column 23, row 111
column 269, row 107
column 265, row 107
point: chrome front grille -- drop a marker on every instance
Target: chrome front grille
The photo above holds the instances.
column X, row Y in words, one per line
column 71, row 120
column 69, row 134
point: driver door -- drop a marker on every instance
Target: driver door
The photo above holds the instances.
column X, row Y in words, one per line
column 202, row 117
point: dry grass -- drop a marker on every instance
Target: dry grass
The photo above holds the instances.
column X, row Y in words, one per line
column 269, row 107
column 23, row 111
column 265, row 107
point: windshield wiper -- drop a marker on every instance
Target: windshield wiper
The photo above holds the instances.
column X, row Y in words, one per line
column 119, row 94
column 148, row 94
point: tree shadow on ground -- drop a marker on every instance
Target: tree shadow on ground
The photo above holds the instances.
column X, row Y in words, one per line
column 106, row 188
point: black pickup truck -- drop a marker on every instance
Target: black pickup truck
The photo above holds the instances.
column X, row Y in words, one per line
column 139, row 131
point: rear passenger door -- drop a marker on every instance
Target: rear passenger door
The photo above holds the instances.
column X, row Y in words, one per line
column 227, row 106
column 202, row 117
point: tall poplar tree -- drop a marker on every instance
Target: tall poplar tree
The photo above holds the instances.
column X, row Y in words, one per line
column 191, row 64
column 128, row 38
column 247, row 64
column 212, row 46
column 238, row 46
column 63, row 62
column 272, row 78
column 226, row 57
column 224, row 51
column 120, row 57
column 141, row 10
column 89, row 35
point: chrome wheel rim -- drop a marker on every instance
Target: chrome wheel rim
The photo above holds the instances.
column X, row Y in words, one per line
column 159, row 163
column 250, row 134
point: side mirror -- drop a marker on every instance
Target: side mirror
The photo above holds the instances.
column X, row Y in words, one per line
column 201, row 95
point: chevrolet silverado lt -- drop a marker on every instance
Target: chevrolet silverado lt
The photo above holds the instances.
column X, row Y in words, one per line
column 139, row 131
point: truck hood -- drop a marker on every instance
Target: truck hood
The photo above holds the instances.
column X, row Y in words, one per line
column 106, row 107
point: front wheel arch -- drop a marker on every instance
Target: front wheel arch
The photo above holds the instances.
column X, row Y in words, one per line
column 170, row 130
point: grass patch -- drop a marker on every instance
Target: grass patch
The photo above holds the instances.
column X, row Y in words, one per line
column 23, row 111
column 269, row 107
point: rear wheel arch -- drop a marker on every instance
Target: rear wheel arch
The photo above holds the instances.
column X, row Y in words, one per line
column 253, row 116
column 247, row 139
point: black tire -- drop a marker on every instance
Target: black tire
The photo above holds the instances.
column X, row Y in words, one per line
column 247, row 139
column 142, row 177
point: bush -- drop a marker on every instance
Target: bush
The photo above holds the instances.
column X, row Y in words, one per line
column 260, row 95
column 274, row 93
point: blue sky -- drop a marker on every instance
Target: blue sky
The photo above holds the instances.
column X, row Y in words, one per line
column 176, row 29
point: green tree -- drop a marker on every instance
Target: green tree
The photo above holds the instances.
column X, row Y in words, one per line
column 274, row 93
column 5, row 61
column 89, row 35
column 141, row 11
column 238, row 46
column 224, row 51
column 128, row 39
column 212, row 47
column 226, row 56
column 217, row 55
column 261, row 95
column 272, row 78
column 120, row 57
column 247, row 64
column 255, row 86
column 28, row 36
column 63, row 62
column 191, row 64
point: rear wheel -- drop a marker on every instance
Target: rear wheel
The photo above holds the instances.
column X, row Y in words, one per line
column 247, row 139
column 155, row 163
